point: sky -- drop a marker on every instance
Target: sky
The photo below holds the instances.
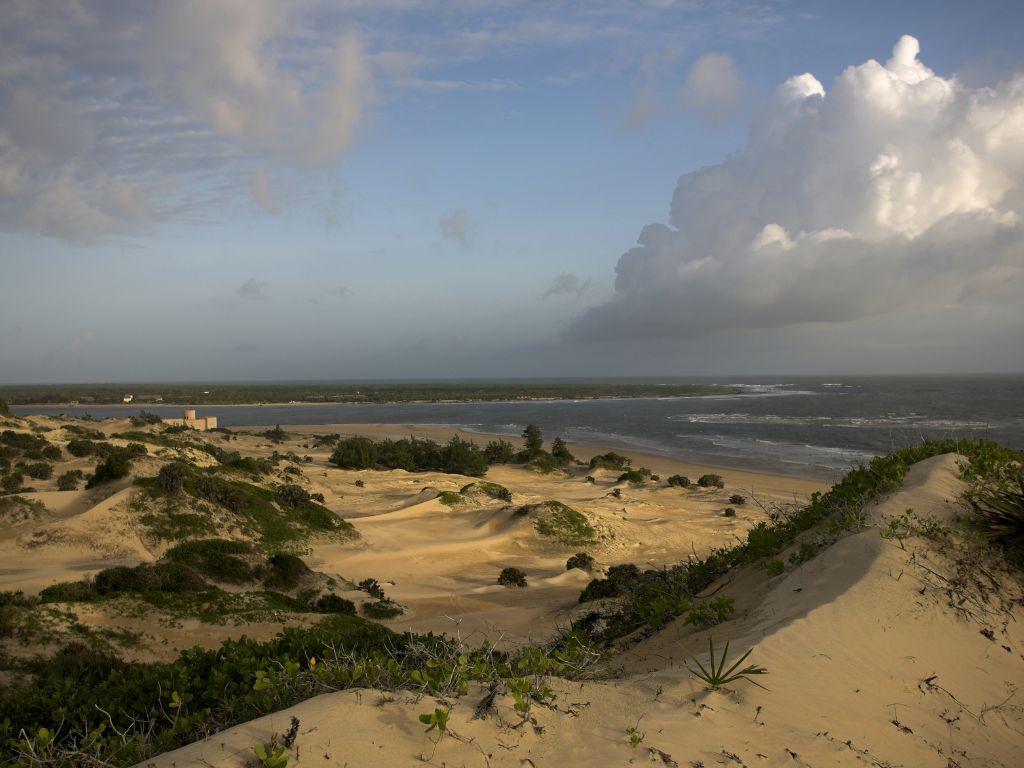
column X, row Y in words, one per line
column 210, row 190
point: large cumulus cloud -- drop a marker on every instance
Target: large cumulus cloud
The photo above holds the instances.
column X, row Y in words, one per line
column 896, row 189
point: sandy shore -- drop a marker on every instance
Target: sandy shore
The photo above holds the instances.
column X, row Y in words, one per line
column 869, row 663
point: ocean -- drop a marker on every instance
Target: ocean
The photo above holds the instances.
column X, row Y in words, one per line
column 808, row 427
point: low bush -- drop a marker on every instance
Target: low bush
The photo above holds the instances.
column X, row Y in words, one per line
column 69, row 480
column 679, row 481
column 39, row 471
column 333, row 604
column 580, row 560
column 499, row 452
column 116, row 466
column 492, row 490
column 737, row 499
column 293, row 496
column 562, row 523
column 610, row 460
column 711, row 481
column 711, row 613
column 775, row 567
column 216, row 558
column 382, row 609
column 285, row 571
column 635, row 476
column 512, row 577
column 729, row 512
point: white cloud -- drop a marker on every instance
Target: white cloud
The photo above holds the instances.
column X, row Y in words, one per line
column 896, row 190
column 111, row 121
column 713, row 88
column 455, row 226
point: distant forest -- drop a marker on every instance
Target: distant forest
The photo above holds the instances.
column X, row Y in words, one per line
column 393, row 392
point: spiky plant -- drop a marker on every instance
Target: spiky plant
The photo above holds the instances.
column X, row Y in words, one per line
column 1002, row 514
column 716, row 675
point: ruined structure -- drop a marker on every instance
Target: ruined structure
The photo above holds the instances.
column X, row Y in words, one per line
column 190, row 421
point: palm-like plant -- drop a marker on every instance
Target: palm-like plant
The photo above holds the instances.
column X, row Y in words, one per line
column 1002, row 514
column 716, row 675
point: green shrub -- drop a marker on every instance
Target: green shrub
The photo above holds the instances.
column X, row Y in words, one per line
column 39, row 471
column 216, row 558
column 512, row 577
column 729, row 512
column 293, row 496
column 533, row 443
column 774, row 567
column 285, row 571
column 580, row 560
column 276, row 435
column 563, row 523
column 560, row 451
column 52, row 453
column 171, row 477
column 69, row 480
column 333, row 604
column 162, row 577
column 372, row 587
column 81, row 448
column 711, row 613
column 382, row 609
column 355, row 453
column 12, row 482
column 499, row 452
column 5, row 410
column 450, row 498
column 492, row 490
column 68, row 592
column 610, row 460
column 618, row 579
column 711, row 481
column 636, row 476
column 737, row 499
column 114, row 467
column 679, row 481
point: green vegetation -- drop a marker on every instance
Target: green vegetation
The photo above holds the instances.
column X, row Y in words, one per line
column 636, row 476
column 5, row 410
column 451, row 498
column 492, row 490
column 561, row 523
column 500, row 452
column 457, row 456
column 646, row 598
column 580, row 560
column 737, row 499
column 512, row 577
column 217, row 559
column 716, row 675
column 69, row 480
column 263, row 514
column 116, row 465
column 611, row 461
column 385, row 392
column 382, row 610
column 711, row 481
column 285, row 571
column 711, row 613
column 533, row 443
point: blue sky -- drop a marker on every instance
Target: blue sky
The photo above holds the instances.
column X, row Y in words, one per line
column 254, row 190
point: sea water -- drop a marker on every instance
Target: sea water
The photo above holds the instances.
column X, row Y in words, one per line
column 807, row 427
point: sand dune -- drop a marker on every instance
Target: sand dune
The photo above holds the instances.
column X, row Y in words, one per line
column 868, row 665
